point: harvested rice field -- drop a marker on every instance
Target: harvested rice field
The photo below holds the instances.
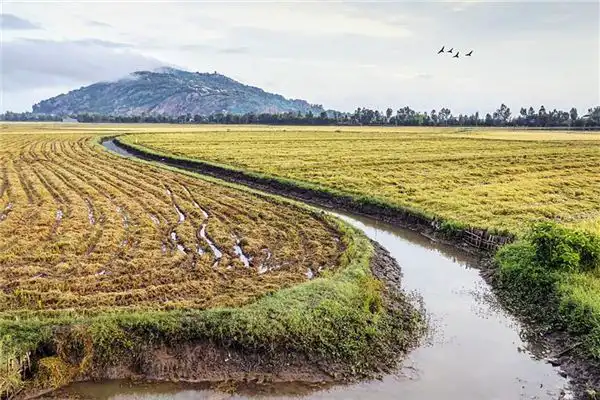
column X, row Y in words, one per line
column 539, row 189
column 82, row 228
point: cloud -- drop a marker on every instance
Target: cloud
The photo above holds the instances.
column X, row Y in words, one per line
column 340, row 54
column 102, row 43
column 208, row 48
column 99, row 24
column 12, row 22
column 423, row 75
column 33, row 64
column 234, row 50
column 318, row 19
column 79, row 42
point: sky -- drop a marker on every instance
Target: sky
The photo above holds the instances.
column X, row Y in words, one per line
column 342, row 54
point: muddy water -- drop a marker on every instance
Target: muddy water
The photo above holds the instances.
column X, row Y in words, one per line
column 112, row 146
column 476, row 350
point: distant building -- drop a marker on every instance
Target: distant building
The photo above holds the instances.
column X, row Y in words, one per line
column 68, row 119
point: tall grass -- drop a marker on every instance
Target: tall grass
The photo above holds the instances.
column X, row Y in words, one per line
column 553, row 274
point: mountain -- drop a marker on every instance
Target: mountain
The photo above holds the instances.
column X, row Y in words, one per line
column 172, row 92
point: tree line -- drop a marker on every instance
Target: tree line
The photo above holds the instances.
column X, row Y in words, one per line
column 502, row 117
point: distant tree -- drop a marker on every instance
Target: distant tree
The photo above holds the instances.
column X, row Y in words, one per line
column 362, row 116
column 502, row 115
column 445, row 116
column 489, row 121
column 377, row 117
column 434, row 117
column 542, row 116
column 523, row 112
column 388, row 114
column 522, row 118
column 572, row 116
column 593, row 116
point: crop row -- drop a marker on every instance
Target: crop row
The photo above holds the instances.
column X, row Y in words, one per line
column 82, row 228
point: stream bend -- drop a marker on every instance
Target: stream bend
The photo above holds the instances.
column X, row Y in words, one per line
column 477, row 350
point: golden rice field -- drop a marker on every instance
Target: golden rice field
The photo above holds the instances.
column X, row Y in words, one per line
column 81, row 228
column 484, row 178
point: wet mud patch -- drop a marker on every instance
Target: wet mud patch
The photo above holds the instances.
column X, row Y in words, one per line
column 215, row 250
column 4, row 213
column 91, row 213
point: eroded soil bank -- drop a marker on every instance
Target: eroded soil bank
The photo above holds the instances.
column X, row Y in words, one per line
column 211, row 363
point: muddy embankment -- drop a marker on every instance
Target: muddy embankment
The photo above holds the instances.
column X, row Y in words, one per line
column 209, row 362
column 562, row 349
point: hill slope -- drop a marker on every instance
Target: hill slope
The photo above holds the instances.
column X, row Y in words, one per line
column 171, row 92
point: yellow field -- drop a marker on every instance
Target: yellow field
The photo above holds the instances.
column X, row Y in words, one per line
column 485, row 178
column 81, row 228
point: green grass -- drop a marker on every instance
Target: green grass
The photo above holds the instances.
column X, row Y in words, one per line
column 553, row 274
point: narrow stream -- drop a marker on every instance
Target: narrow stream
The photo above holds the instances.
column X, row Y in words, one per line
column 476, row 351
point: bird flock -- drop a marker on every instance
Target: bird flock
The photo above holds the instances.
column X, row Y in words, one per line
column 451, row 51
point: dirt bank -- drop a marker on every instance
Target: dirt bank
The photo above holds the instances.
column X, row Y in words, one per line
column 209, row 362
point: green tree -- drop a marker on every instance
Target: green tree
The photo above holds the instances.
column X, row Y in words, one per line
column 502, row 115
column 445, row 116
column 388, row 114
column 573, row 115
column 593, row 116
column 542, row 116
column 489, row 121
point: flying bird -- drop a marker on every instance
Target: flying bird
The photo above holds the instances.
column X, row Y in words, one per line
column 450, row 51
column 469, row 53
column 441, row 50
column 456, row 55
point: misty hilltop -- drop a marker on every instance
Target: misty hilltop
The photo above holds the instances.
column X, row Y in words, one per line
column 172, row 92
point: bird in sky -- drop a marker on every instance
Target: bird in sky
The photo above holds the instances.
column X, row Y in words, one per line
column 469, row 53
column 450, row 51
column 456, row 55
column 441, row 50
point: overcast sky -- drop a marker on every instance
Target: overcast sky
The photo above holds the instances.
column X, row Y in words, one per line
column 339, row 54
